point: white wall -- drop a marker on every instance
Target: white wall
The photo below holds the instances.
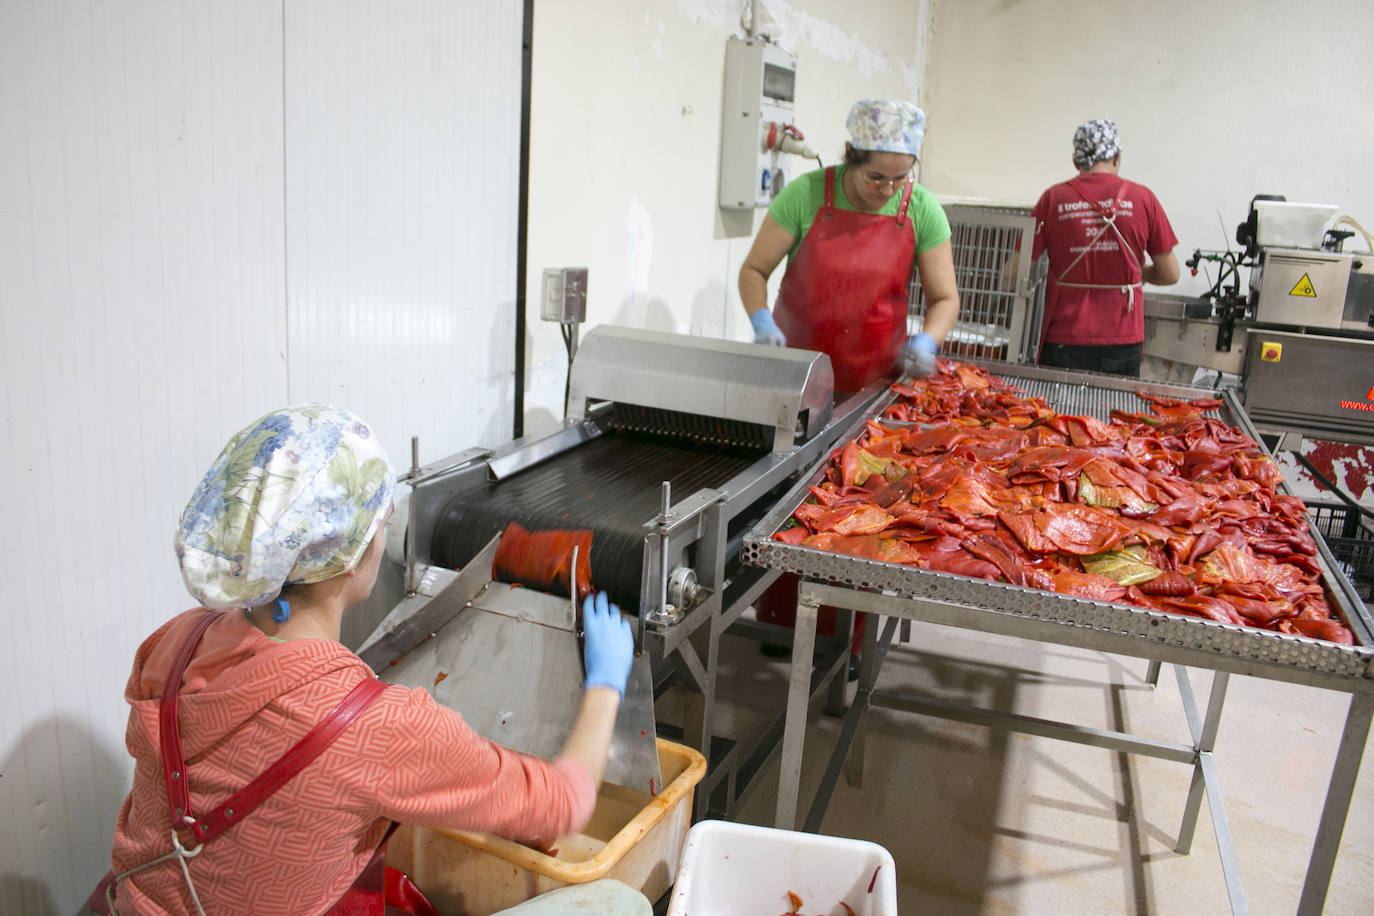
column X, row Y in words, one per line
column 1216, row 102
column 208, row 210
column 401, row 179
column 625, row 149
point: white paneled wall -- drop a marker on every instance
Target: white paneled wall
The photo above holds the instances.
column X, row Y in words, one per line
column 208, row 210
column 402, row 137
column 141, row 316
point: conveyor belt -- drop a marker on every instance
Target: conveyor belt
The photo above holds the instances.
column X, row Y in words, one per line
column 611, row 485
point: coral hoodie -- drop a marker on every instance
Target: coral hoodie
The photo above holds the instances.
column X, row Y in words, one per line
column 245, row 700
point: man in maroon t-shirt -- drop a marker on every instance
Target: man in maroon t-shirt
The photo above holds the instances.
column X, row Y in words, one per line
column 1105, row 237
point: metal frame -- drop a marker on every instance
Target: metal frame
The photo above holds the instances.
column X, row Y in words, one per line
column 691, row 644
column 904, row 593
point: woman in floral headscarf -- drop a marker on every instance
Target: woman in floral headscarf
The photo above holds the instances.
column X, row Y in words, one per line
column 852, row 234
column 282, row 536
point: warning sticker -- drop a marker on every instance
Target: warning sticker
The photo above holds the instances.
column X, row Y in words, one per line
column 1271, row 352
column 1303, row 288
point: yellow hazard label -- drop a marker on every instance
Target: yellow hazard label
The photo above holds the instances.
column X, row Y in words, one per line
column 1270, row 352
column 1303, row 288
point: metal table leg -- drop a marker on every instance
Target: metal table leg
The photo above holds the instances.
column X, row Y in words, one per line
column 1338, row 793
column 798, row 699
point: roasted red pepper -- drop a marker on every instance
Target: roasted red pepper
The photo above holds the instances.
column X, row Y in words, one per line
column 543, row 559
column 992, row 484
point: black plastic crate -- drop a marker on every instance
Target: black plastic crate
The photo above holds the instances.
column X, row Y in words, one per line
column 1350, row 540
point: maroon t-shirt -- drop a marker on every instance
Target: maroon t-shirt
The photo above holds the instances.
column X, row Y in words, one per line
column 1066, row 222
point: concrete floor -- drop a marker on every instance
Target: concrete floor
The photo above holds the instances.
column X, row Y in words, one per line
column 984, row 821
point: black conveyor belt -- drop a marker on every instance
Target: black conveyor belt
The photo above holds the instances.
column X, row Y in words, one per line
column 611, row 485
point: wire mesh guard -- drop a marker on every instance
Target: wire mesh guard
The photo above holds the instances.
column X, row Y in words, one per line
column 1001, row 295
column 1351, row 542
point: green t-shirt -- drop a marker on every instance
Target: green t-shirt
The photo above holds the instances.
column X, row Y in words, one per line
column 795, row 209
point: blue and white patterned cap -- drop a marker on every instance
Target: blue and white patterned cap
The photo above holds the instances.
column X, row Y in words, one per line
column 294, row 498
column 1095, row 141
column 886, row 126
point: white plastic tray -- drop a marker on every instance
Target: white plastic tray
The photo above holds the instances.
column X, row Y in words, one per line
column 741, row 870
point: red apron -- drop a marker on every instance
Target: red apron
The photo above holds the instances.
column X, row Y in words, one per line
column 845, row 292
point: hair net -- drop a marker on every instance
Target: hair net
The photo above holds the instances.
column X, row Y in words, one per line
column 294, row 498
column 886, row 126
column 1095, row 141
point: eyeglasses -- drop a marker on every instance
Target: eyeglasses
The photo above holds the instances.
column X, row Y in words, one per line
column 874, row 180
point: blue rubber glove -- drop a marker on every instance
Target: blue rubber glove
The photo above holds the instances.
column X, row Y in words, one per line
column 609, row 647
column 766, row 330
column 918, row 355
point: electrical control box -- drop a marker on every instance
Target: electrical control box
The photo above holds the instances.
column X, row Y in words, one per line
column 759, row 104
column 564, row 295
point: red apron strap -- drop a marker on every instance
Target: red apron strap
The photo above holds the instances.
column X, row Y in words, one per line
column 267, row 782
column 173, row 765
column 906, row 199
column 292, row 762
column 830, row 188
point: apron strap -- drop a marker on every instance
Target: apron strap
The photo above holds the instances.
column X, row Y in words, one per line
column 830, row 188
column 173, row 765
column 907, row 187
column 270, row 780
column 1109, row 222
column 292, row 762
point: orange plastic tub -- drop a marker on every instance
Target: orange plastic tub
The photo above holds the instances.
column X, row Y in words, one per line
column 632, row 837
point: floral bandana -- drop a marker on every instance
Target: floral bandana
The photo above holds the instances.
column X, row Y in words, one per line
column 294, row 498
column 1095, row 141
column 886, row 126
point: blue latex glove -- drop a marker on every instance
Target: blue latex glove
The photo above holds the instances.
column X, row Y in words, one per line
column 918, row 355
column 766, row 330
column 609, row 647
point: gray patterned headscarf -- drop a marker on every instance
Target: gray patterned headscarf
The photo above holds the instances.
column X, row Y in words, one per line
column 1095, row 141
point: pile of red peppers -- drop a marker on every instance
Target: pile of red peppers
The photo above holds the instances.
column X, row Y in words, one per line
column 1168, row 509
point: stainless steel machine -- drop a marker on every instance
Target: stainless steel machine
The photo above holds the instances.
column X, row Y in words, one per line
column 673, row 447
column 1299, row 330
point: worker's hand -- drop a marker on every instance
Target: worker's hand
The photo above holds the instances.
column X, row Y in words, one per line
column 918, row 355
column 609, row 646
column 766, row 330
